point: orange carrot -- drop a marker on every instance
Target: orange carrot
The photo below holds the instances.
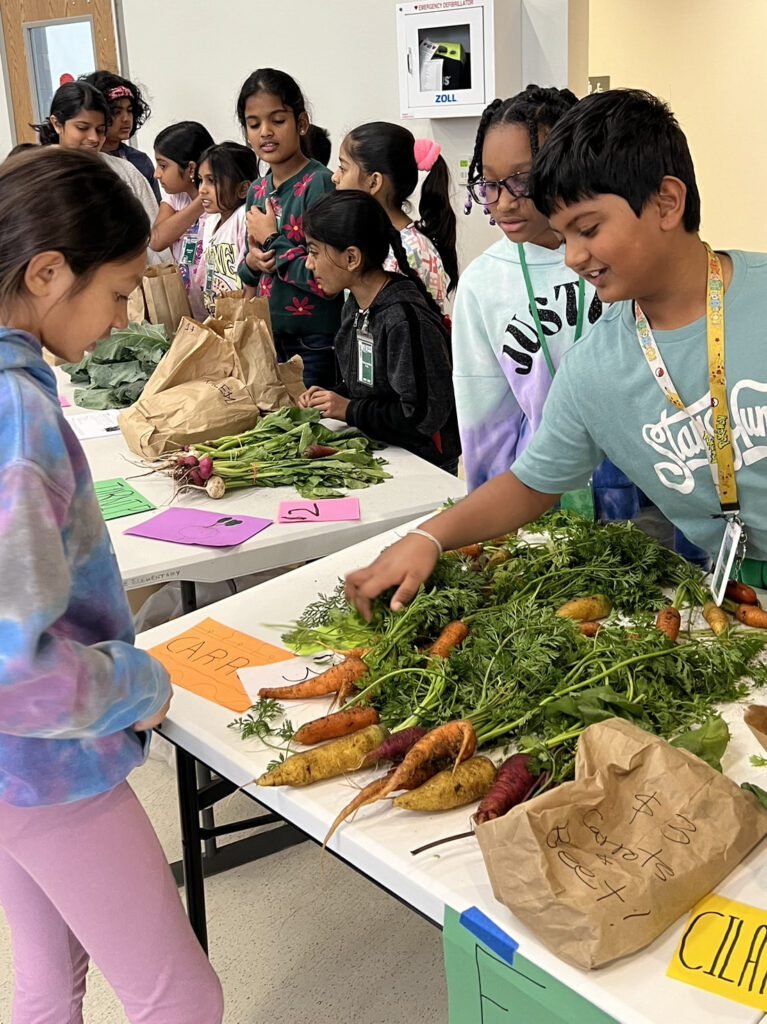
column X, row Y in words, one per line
column 374, row 790
column 456, row 741
column 452, row 636
column 669, row 622
column 750, row 616
column 589, row 628
column 741, row 593
column 349, row 670
column 342, row 723
column 469, row 551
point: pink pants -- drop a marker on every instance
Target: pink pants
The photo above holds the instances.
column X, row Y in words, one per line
column 90, row 879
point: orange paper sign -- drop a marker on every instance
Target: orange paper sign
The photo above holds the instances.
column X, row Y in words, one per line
column 206, row 658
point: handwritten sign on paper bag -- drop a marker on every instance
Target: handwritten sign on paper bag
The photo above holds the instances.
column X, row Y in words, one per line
column 603, row 865
column 207, row 657
column 723, row 950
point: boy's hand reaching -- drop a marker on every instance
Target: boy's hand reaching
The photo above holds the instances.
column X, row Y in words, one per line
column 405, row 565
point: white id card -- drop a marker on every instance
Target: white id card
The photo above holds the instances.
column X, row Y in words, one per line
column 365, row 368
column 733, row 533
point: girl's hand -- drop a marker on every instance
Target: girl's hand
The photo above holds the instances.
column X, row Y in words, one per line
column 261, row 262
column 151, row 723
column 261, row 225
column 331, row 405
column 405, row 565
column 305, row 401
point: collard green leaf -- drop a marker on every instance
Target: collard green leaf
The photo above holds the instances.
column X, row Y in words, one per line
column 756, row 791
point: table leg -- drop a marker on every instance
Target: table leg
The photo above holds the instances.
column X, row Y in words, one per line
column 194, row 879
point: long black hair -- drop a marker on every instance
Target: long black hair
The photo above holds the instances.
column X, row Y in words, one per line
column 278, row 83
column 67, row 102
column 184, row 143
column 536, row 108
column 389, row 149
column 354, row 218
column 231, row 165
column 107, row 81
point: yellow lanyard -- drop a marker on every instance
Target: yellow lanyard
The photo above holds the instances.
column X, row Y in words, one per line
column 718, row 441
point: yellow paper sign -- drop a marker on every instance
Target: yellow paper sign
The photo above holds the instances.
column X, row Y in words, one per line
column 724, row 951
column 206, row 658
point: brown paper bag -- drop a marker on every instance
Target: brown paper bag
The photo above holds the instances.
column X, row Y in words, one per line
column 233, row 306
column 137, row 306
column 201, row 390
column 292, row 376
column 166, row 298
column 598, row 868
column 255, row 348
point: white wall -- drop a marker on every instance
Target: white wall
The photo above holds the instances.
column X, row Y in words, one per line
column 193, row 55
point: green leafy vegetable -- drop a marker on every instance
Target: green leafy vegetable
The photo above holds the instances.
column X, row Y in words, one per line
column 709, row 742
column 758, row 761
column 756, row 791
column 117, row 371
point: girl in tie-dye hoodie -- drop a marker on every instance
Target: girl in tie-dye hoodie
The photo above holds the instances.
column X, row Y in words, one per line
column 81, row 871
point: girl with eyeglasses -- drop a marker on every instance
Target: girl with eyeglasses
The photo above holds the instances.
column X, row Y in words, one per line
column 518, row 308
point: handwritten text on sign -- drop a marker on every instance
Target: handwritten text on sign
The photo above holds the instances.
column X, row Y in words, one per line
column 724, row 950
column 326, row 510
column 648, row 839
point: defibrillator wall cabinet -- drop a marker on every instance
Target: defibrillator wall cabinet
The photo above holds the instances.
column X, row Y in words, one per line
column 446, row 55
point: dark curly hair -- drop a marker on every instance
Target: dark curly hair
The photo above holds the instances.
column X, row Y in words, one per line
column 536, row 107
column 106, row 81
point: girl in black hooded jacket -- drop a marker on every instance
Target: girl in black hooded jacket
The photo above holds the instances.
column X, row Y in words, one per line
column 393, row 350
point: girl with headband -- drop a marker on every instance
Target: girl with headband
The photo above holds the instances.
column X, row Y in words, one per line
column 385, row 160
column 129, row 112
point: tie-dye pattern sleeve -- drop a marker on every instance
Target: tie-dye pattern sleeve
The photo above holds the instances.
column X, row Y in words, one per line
column 51, row 685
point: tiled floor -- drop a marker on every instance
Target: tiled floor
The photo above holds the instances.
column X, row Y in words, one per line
column 296, row 938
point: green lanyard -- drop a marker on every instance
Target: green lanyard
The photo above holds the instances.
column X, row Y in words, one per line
column 534, row 309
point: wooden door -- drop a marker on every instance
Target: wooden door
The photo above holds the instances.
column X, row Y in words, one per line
column 25, row 23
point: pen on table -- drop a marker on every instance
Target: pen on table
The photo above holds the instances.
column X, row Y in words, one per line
column 110, row 429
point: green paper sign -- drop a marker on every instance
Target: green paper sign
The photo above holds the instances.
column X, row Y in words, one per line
column 117, row 499
column 485, row 989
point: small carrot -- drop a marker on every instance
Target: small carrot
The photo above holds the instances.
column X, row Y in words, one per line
column 469, row 551
column 452, row 636
column 342, row 723
column 395, row 747
column 513, row 784
column 669, row 621
column 589, row 628
column 456, row 741
column 349, row 670
column 716, row 618
column 371, row 793
column 586, row 609
column 741, row 593
column 499, row 557
column 750, row 616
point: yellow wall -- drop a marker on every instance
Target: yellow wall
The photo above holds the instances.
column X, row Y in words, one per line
column 707, row 59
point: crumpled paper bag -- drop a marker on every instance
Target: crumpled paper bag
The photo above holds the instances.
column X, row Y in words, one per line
column 598, row 868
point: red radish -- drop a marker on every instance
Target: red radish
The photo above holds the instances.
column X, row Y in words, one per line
column 319, row 451
column 189, row 461
column 513, row 784
column 206, row 467
column 195, row 478
column 395, row 747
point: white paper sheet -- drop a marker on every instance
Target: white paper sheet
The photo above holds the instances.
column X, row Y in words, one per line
column 95, row 424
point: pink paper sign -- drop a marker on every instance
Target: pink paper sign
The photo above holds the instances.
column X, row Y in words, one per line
column 64, row 402
column 195, row 526
column 326, row 510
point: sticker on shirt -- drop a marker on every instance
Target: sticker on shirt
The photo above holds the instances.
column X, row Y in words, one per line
column 674, row 437
column 365, row 362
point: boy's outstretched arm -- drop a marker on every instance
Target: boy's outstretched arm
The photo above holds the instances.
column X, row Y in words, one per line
column 500, row 506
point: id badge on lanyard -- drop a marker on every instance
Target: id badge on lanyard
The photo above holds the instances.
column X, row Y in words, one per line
column 718, row 444
column 580, row 501
column 365, row 361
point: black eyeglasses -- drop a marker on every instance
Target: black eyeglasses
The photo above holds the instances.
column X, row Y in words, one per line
column 487, row 193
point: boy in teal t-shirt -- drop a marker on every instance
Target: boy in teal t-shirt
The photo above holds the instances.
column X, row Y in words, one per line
column 616, row 179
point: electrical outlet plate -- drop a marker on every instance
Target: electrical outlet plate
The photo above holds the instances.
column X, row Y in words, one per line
column 464, row 162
